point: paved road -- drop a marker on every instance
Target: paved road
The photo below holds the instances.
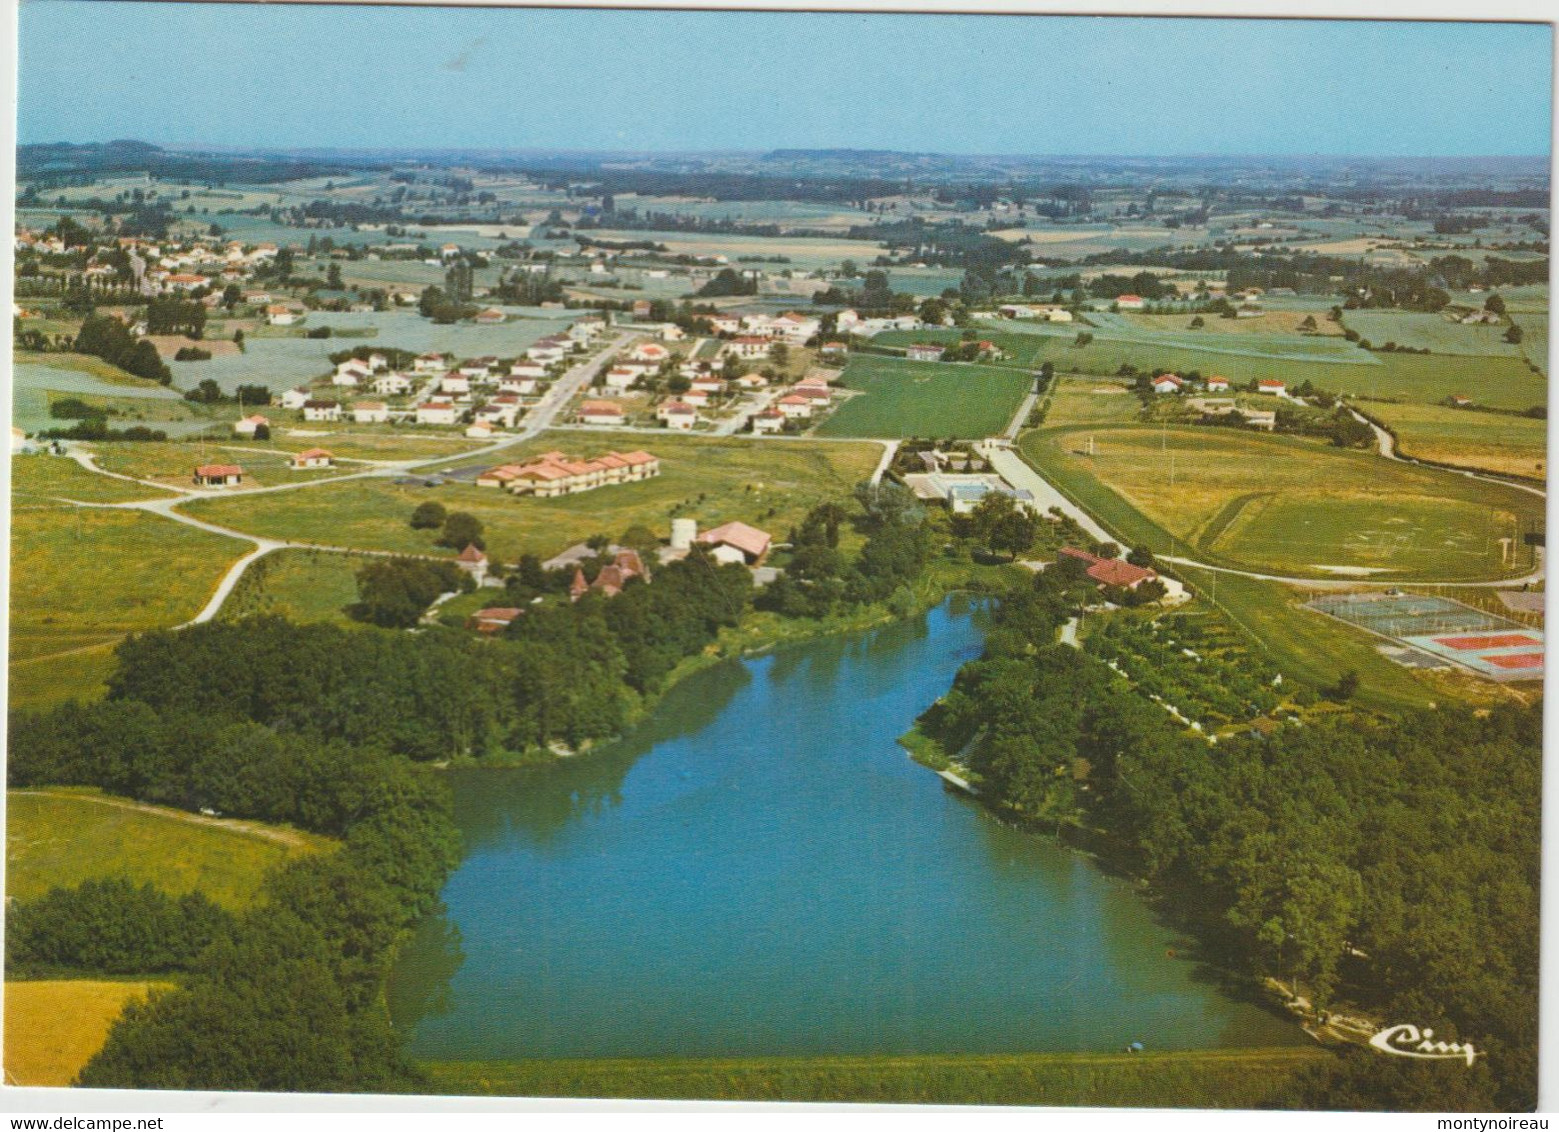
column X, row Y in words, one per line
column 1016, row 471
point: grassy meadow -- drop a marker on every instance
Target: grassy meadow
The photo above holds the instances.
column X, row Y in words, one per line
column 174, row 463
column 63, row 836
column 897, row 398
column 49, row 479
column 1211, row 1079
column 301, row 585
column 1282, row 504
column 1086, row 401
column 1495, row 442
column 82, row 575
column 54, row 1026
column 770, row 484
column 1435, row 332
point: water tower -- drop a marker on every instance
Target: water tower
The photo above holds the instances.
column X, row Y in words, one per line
column 683, row 532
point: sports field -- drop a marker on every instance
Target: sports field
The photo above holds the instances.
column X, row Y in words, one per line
column 1284, row 505
column 770, row 484
column 1497, row 442
column 897, row 398
column 54, row 1026
column 63, row 836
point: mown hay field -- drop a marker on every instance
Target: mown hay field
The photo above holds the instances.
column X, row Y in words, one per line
column 897, row 398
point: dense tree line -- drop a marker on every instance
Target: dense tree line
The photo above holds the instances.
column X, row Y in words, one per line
column 1394, row 860
column 820, row 580
column 111, row 340
column 289, row 995
column 110, row 926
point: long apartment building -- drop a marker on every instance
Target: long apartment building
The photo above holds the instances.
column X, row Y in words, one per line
column 554, row 473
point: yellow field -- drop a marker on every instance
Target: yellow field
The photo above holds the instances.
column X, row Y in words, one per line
column 1493, row 441
column 59, row 836
column 1271, row 322
column 44, row 479
column 54, row 1026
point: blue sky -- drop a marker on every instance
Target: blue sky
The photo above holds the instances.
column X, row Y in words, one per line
column 286, row 75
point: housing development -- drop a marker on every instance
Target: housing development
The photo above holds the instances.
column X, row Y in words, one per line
column 523, row 620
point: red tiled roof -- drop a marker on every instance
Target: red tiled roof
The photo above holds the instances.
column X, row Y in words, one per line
column 471, row 554
column 206, row 471
column 749, row 540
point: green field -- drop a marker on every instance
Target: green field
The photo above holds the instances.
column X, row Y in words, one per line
column 1204, row 1079
column 770, row 484
column 301, row 585
column 1534, row 341
column 174, row 463
column 1429, row 331
column 1282, row 504
column 42, row 479
column 1503, row 383
column 1087, row 401
column 63, row 836
column 899, row 398
column 1497, row 442
column 82, row 575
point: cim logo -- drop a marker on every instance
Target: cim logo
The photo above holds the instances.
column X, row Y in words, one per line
column 1409, row 1041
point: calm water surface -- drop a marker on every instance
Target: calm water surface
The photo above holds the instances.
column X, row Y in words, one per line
column 761, row 870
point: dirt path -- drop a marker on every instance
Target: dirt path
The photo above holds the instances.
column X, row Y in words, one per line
column 288, row 837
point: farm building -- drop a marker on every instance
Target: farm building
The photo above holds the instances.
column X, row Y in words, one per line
column 737, row 539
column 219, row 475
column 1131, row 302
column 250, row 425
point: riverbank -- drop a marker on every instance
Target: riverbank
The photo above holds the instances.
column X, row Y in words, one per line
column 761, row 632
column 1223, row 1079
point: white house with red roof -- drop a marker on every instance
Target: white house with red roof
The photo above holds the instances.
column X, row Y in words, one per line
column 219, row 475
column 677, row 415
column 313, row 458
column 1168, row 383
column 1216, row 384
column 438, row 413
column 795, row 406
column 321, row 410
column 1271, row 385
column 768, row 421
column 249, row 425
column 473, row 562
column 1131, row 302
column 748, row 347
column 600, row 413
column 1112, row 571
